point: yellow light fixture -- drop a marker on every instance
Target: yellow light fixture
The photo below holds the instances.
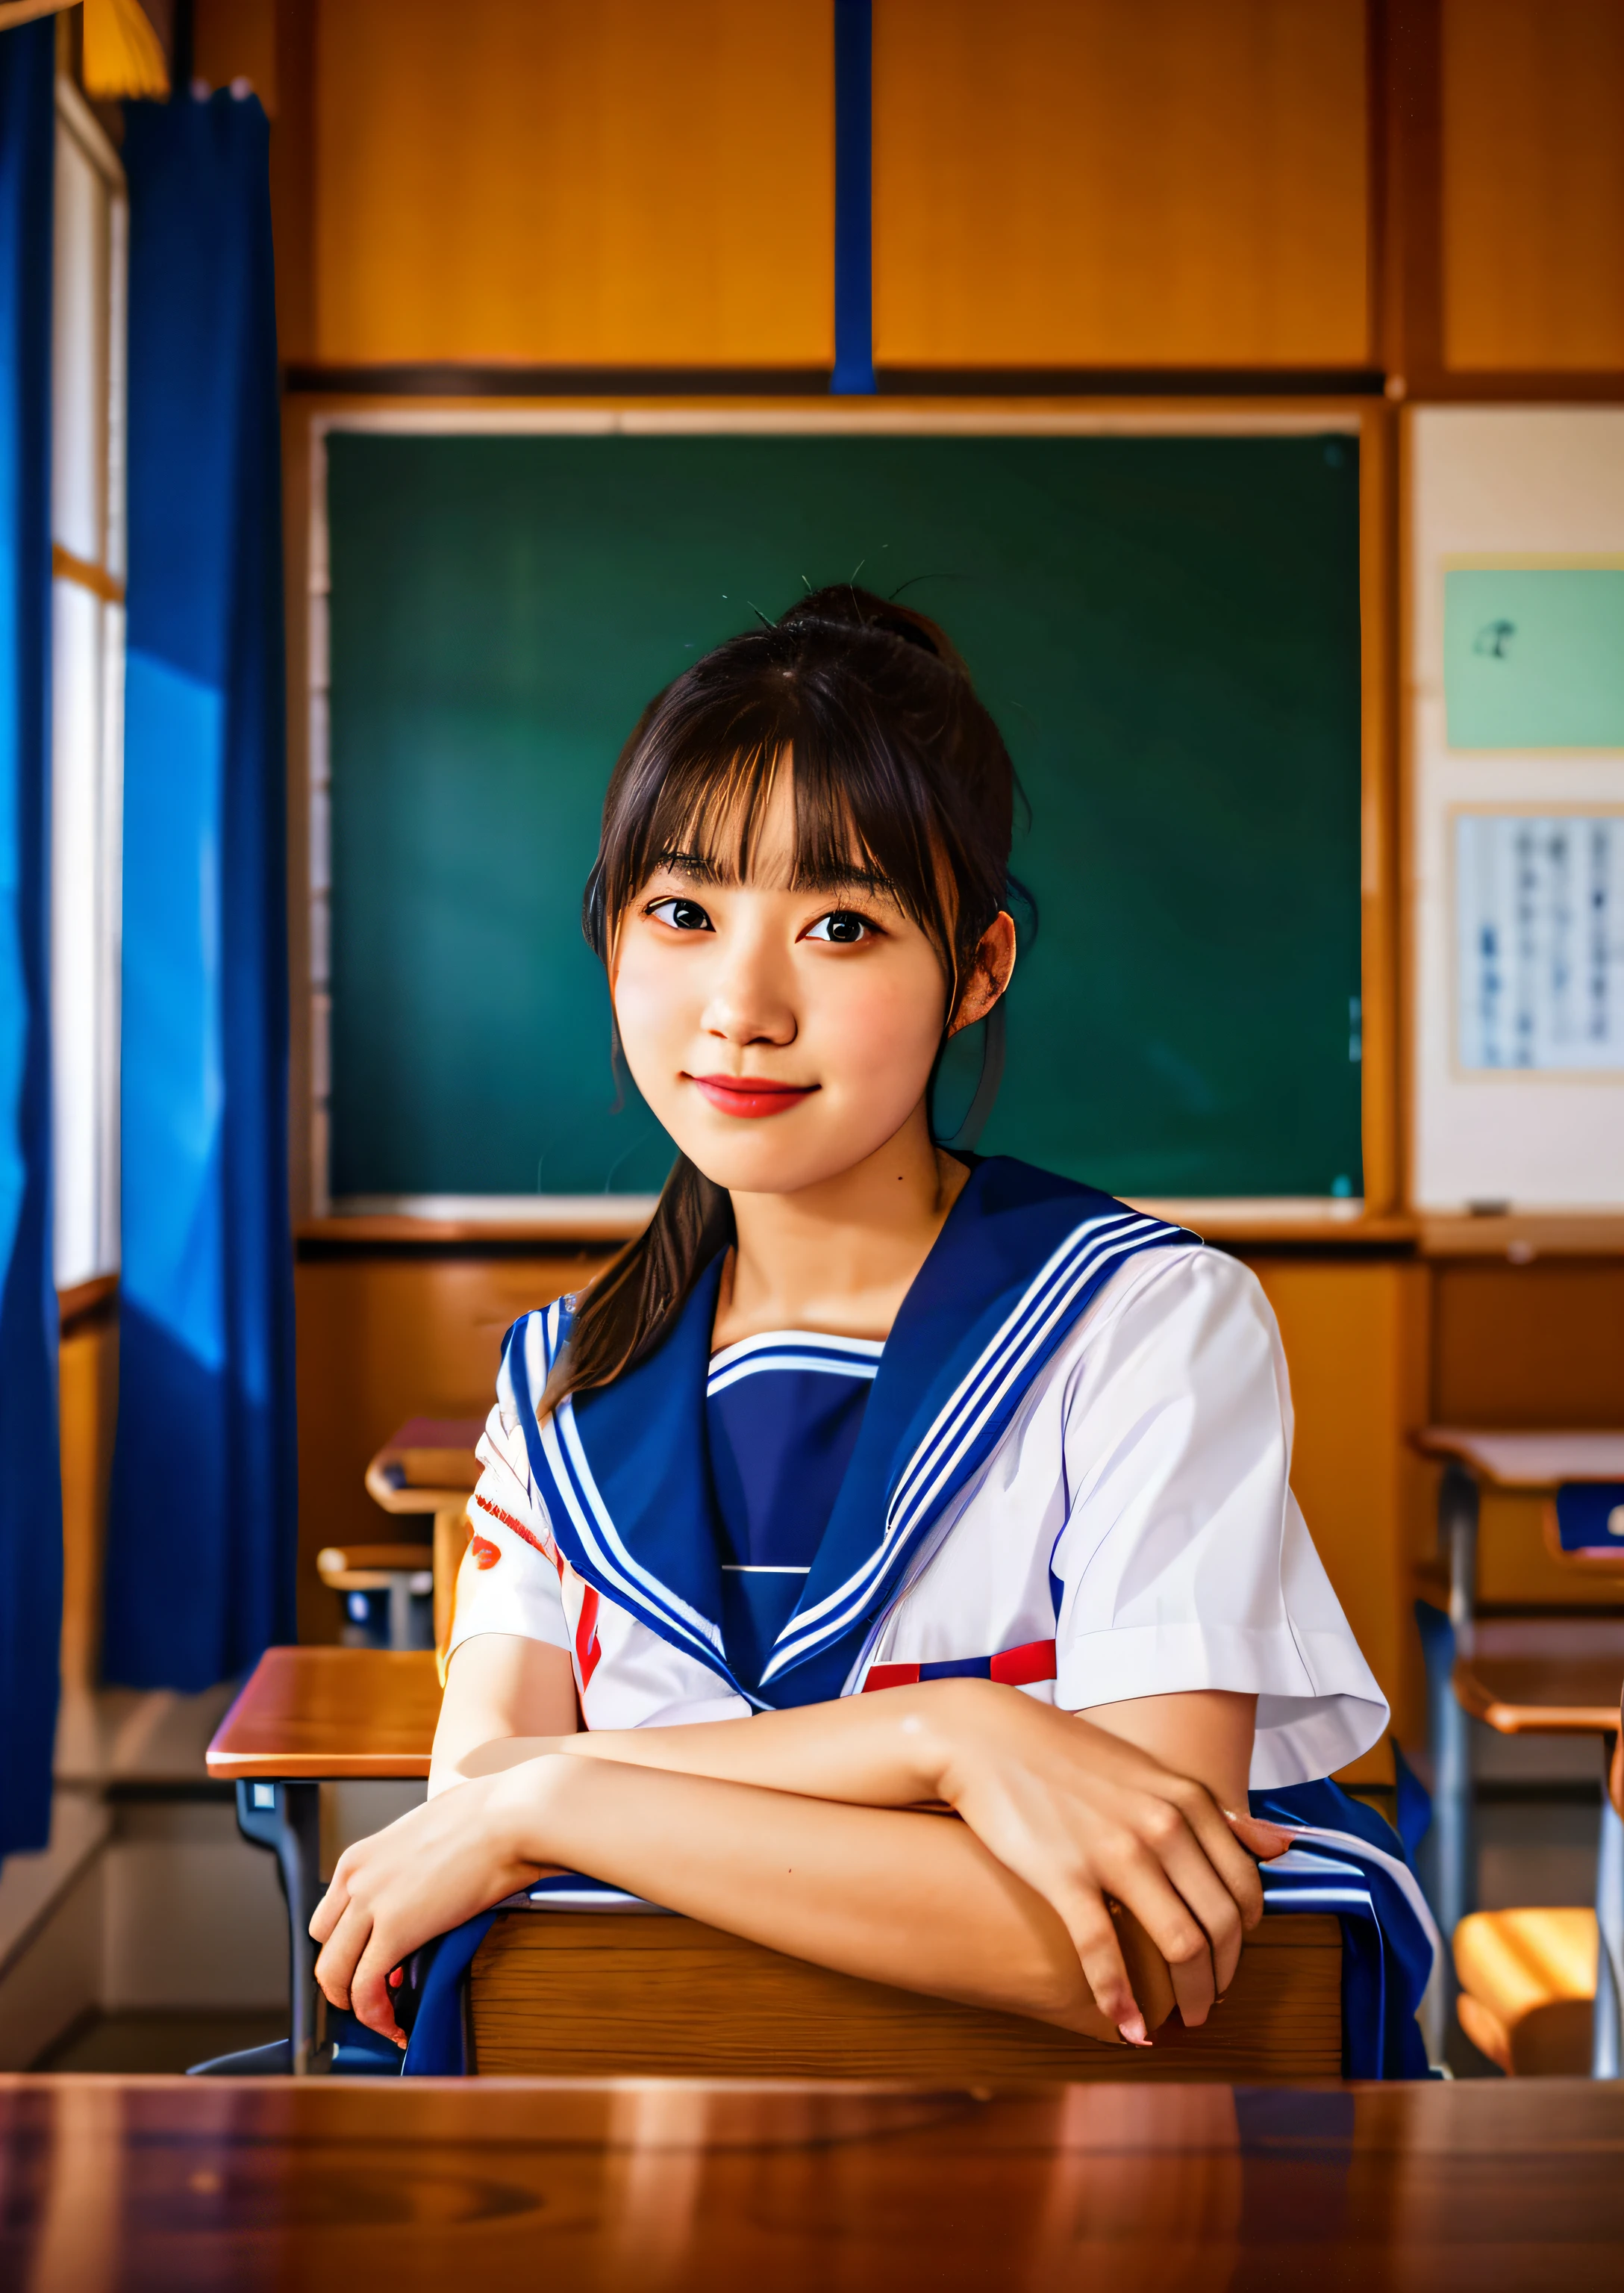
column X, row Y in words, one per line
column 26, row 12
column 122, row 54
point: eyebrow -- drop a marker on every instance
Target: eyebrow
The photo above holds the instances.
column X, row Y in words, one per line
column 700, row 868
column 847, row 880
column 696, row 866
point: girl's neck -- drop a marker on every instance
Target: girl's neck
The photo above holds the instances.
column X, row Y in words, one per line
column 838, row 1257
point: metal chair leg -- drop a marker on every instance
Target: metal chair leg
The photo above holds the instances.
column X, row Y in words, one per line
column 1607, row 2039
column 286, row 1819
column 1453, row 1812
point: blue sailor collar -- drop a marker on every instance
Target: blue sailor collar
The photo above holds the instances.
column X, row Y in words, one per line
column 624, row 1469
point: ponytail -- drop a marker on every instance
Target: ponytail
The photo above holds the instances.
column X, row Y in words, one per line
column 632, row 1303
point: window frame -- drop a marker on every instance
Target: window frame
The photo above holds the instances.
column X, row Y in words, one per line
column 88, row 393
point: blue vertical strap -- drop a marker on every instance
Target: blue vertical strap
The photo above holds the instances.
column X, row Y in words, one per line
column 30, row 1486
column 854, row 198
column 430, row 2002
column 200, row 1568
column 1352, row 1864
column 1413, row 1811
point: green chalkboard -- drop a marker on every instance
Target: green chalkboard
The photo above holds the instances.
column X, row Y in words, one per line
column 1166, row 628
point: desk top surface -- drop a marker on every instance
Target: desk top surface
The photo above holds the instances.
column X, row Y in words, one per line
column 126, row 2184
column 1529, row 1460
column 1544, row 1675
column 330, row 1713
column 426, row 1465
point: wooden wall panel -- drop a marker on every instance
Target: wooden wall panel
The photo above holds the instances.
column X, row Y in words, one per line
column 1533, row 183
column 1066, row 182
column 381, row 1339
column 1355, row 1334
column 87, row 1406
column 534, row 180
column 1515, row 1570
column 1534, row 1346
column 236, row 39
column 1539, row 1345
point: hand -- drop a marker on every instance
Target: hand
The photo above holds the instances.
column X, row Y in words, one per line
column 439, row 1864
column 1087, row 1819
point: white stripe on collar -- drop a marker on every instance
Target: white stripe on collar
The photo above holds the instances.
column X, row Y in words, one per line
column 797, row 1342
column 821, row 1365
column 1297, row 1859
column 1080, row 1260
column 574, row 1478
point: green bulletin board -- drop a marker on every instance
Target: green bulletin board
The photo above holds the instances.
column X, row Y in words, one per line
column 1166, row 628
column 1533, row 656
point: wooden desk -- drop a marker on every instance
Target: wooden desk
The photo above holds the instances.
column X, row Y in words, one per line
column 126, row 2185
column 308, row 1716
column 328, row 1713
column 1560, row 1676
column 428, row 1466
column 1527, row 1462
column 1543, row 1675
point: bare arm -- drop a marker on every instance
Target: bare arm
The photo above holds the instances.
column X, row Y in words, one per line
column 866, row 1750
column 776, row 1827
column 499, row 1689
column 898, row 1897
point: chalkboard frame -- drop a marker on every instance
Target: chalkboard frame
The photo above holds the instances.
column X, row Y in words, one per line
column 451, row 1219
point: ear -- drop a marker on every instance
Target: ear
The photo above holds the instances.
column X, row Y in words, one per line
column 990, row 972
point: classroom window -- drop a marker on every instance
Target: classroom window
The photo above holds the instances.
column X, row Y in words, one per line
column 87, row 559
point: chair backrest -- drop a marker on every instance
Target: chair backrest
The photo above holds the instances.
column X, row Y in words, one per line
column 597, row 1994
column 1585, row 1522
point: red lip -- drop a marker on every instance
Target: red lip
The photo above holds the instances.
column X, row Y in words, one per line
column 750, row 1095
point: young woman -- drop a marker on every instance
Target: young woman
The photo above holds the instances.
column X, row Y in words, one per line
column 929, row 1485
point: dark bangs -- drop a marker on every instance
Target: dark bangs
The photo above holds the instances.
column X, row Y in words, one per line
column 901, row 779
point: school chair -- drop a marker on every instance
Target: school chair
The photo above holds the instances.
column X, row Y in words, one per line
column 1527, row 1995
column 572, row 1977
column 1528, row 1977
column 308, row 1716
column 1524, row 1972
column 387, row 1592
column 1572, row 1471
column 599, row 1993
column 585, row 1989
column 428, row 1466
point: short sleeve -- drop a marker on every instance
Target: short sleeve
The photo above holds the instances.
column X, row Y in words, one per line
column 1184, row 1561
column 509, row 1579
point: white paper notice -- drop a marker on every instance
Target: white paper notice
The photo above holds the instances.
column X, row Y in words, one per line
column 1540, row 940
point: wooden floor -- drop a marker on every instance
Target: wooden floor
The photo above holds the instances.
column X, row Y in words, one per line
column 325, row 2185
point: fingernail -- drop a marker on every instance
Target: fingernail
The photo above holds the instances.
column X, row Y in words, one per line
column 1134, row 2031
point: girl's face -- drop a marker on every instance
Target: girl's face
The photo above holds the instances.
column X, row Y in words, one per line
column 781, row 1037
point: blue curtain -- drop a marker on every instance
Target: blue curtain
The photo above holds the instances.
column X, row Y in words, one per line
column 30, row 1488
column 202, row 1534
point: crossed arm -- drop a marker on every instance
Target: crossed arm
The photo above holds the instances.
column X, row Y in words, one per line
column 819, row 1833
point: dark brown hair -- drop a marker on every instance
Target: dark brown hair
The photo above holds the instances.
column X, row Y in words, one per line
column 898, row 771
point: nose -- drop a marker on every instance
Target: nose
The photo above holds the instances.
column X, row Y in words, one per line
column 751, row 999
